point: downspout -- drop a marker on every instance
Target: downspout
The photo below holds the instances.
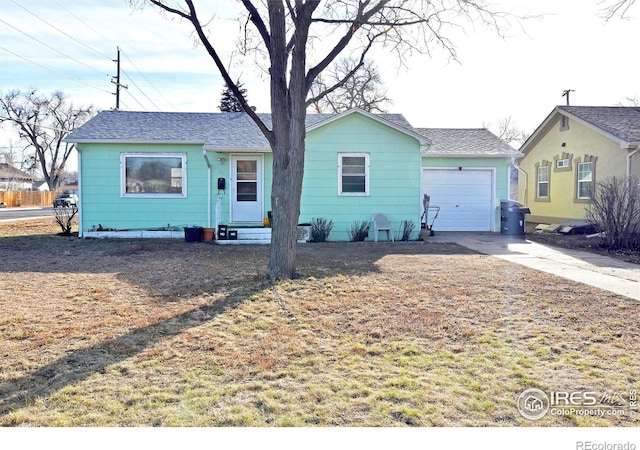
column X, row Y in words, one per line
column 79, row 163
column 525, row 199
column 629, row 157
column 206, row 159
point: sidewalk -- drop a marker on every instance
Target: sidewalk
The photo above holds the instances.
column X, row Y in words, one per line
column 589, row 268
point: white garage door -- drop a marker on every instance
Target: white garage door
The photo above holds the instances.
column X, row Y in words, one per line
column 464, row 197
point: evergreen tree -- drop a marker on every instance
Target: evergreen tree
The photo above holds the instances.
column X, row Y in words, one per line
column 229, row 102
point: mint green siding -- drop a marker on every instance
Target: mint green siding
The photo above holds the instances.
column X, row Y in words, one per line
column 394, row 175
column 102, row 203
column 394, row 181
column 501, row 166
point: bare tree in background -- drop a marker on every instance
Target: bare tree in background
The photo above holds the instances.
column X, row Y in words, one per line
column 42, row 123
column 506, row 130
column 363, row 89
column 616, row 8
column 285, row 34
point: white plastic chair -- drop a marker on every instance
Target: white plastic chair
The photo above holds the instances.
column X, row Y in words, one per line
column 382, row 222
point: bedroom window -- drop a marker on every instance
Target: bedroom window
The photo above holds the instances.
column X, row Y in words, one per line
column 542, row 189
column 155, row 175
column 353, row 174
column 585, row 179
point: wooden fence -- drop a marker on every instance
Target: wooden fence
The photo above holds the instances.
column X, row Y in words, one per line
column 27, row 198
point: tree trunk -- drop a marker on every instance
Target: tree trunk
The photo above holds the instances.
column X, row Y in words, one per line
column 288, row 113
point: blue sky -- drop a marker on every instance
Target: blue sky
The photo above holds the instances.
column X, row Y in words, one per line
column 70, row 45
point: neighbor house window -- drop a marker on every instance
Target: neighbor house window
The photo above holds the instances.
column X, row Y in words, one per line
column 542, row 190
column 154, row 174
column 585, row 180
column 564, row 123
column 353, row 173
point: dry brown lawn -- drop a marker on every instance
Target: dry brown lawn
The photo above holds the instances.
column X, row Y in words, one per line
column 168, row 333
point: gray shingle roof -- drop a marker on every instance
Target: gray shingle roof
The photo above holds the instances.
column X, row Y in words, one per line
column 466, row 142
column 8, row 172
column 236, row 130
column 622, row 122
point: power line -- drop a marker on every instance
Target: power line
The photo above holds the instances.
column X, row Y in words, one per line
column 26, row 122
column 86, row 25
column 141, row 91
column 53, row 48
column 149, row 82
column 59, row 30
column 54, row 71
column 136, row 100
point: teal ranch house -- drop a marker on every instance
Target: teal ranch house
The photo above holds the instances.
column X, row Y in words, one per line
column 146, row 173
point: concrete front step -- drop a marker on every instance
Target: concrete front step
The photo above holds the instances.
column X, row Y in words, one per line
column 260, row 236
column 248, row 236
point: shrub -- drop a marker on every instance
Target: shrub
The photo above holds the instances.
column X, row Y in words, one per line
column 407, row 228
column 359, row 230
column 320, row 229
column 64, row 217
column 615, row 212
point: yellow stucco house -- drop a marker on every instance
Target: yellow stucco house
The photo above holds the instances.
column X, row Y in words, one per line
column 574, row 147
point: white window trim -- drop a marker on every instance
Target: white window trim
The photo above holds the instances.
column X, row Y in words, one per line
column 366, row 174
column 562, row 163
column 578, row 179
column 123, row 175
column 538, row 182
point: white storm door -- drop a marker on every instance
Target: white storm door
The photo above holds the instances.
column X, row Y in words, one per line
column 246, row 188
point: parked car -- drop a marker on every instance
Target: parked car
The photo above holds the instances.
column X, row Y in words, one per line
column 65, row 200
column 3, row 205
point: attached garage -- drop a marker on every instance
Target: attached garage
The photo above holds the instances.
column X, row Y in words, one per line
column 466, row 171
column 465, row 197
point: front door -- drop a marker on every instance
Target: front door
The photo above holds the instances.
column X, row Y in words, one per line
column 246, row 188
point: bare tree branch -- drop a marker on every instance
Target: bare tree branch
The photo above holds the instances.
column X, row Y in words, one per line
column 617, row 8
column 192, row 17
column 43, row 123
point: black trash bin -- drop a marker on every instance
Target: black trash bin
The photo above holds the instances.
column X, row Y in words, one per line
column 193, row 234
column 512, row 217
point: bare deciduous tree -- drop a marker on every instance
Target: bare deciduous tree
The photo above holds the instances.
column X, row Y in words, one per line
column 506, row 130
column 364, row 89
column 43, row 122
column 616, row 8
column 300, row 39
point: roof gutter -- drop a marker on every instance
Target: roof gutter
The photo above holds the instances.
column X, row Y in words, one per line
column 471, row 155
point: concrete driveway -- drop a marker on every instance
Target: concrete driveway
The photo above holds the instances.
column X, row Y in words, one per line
column 589, row 268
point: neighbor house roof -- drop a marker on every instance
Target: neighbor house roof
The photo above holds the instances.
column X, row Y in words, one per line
column 470, row 142
column 623, row 122
column 8, row 172
column 213, row 130
column 620, row 123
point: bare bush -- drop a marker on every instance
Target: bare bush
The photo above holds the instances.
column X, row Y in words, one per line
column 615, row 211
column 64, row 218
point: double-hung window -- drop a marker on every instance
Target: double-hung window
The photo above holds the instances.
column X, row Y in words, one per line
column 353, row 174
column 153, row 175
column 542, row 187
column 585, row 179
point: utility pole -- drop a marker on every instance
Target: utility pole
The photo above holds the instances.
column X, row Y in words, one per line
column 117, row 81
column 565, row 93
